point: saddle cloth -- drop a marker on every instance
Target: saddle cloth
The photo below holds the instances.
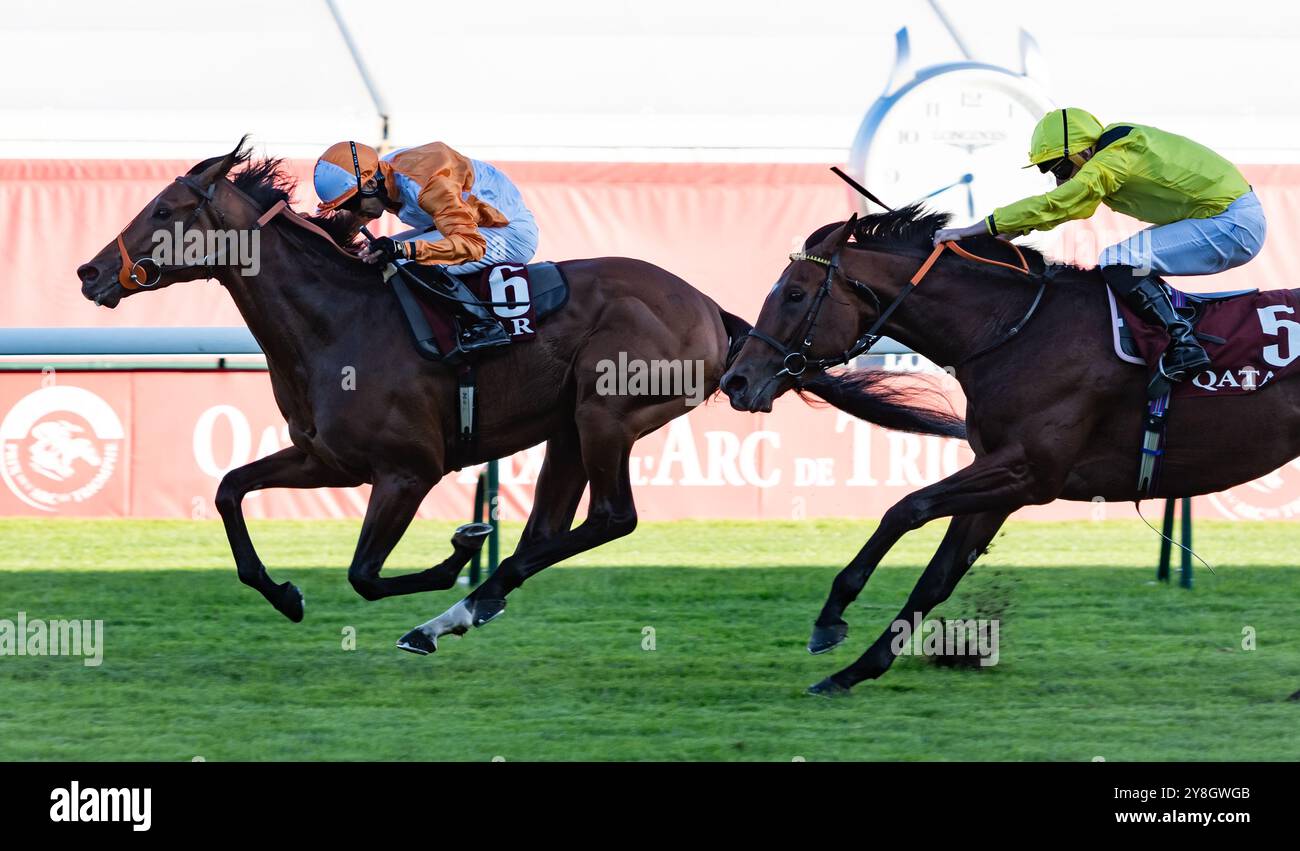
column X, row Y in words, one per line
column 524, row 295
column 1252, row 338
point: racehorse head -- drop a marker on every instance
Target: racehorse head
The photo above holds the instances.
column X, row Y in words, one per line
column 836, row 298
column 809, row 315
column 198, row 203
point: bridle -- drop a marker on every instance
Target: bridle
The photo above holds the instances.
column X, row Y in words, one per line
column 147, row 272
column 795, row 361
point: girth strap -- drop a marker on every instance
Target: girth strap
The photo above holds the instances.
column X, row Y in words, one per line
column 467, row 393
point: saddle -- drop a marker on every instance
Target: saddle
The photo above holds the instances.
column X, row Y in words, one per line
column 518, row 296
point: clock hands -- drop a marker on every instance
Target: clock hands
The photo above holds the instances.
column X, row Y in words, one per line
column 966, row 180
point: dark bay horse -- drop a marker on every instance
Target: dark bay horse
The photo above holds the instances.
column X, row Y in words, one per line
column 320, row 314
column 1051, row 412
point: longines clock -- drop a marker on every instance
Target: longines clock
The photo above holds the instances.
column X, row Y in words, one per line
column 953, row 135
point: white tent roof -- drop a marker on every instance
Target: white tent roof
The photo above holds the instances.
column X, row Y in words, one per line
column 595, row 79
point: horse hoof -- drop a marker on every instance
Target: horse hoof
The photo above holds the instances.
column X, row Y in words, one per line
column 417, row 642
column 827, row 688
column 471, row 536
column 486, row 611
column 826, row 638
column 291, row 602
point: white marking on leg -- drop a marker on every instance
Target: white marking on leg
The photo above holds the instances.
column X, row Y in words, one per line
column 458, row 618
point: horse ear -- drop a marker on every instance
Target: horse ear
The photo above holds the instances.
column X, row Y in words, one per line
column 213, row 169
column 849, row 228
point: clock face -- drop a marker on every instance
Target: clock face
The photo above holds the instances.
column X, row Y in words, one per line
column 957, row 141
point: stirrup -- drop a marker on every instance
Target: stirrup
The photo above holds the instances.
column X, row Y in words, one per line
column 483, row 334
column 1160, row 383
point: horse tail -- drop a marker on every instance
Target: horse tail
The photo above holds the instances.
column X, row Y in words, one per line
column 870, row 395
column 737, row 330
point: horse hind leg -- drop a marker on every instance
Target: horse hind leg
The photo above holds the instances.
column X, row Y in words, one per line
column 600, row 452
column 559, row 489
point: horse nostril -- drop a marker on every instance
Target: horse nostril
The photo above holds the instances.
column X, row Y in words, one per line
column 734, row 384
column 87, row 273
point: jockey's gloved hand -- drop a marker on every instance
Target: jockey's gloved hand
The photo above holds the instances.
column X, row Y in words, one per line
column 389, row 249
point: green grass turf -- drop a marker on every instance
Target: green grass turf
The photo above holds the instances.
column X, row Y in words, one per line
column 1096, row 659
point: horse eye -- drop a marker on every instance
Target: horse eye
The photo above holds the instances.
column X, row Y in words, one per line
column 794, row 295
column 162, row 213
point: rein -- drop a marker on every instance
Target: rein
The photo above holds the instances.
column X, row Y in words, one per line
column 129, row 276
column 796, row 361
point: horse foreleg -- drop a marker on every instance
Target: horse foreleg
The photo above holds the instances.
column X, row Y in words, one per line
column 967, row 538
column 992, row 482
column 288, row 468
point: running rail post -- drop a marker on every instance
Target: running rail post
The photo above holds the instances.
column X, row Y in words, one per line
column 476, row 566
column 1166, row 541
column 494, row 539
column 485, row 502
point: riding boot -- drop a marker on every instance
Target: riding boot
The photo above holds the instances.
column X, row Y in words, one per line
column 479, row 329
column 1147, row 297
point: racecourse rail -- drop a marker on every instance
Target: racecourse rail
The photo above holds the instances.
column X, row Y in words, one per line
column 197, row 348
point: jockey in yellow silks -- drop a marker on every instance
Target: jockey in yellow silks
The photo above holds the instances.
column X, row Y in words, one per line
column 465, row 215
column 1204, row 214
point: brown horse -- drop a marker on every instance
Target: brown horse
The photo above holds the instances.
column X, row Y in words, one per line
column 1051, row 412
column 319, row 314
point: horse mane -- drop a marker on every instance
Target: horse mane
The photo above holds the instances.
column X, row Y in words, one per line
column 910, row 230
column 266, row 182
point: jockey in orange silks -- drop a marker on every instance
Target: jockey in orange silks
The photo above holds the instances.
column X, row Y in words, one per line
column 465, row 215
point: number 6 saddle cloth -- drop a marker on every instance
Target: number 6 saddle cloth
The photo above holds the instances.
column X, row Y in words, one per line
column 523, row 295
column 1252, row 338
